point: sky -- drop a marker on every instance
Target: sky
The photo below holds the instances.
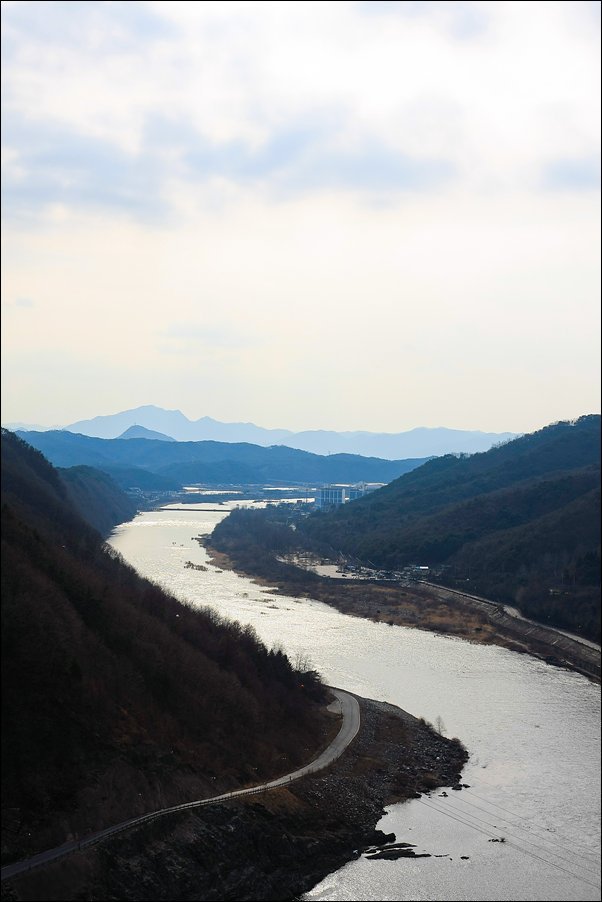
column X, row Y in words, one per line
column 339, row 215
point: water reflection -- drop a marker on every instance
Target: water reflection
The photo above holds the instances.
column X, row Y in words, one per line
column 532, row 732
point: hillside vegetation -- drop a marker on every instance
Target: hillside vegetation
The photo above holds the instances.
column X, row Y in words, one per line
column 97, row 498
column 117, row 698
column 144, row 463
column 519, row 523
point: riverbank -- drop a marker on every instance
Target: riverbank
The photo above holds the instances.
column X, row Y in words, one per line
column 421, row 606
column 270, row 847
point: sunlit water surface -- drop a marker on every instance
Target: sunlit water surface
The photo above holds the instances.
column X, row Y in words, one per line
column 532, row 731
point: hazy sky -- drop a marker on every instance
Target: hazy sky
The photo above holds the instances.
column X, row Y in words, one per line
column 309, row 215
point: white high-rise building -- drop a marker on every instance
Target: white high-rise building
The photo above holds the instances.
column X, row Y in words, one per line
column 335, row 495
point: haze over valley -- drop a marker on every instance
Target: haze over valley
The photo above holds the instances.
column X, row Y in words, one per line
column 300, row 451
column 141, row 422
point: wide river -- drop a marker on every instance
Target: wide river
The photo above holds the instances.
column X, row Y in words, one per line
column 532, row 731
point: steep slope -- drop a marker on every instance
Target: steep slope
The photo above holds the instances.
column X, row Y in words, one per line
column 97, row 498
column 117, row 698
column 549, row 567
column 521, row 522
column 137, row 479
column 451, row 480
column 434, row 537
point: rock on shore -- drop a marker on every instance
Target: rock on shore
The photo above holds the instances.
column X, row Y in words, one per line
column 269, row 847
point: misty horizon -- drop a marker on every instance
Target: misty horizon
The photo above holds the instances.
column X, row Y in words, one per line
column 402, row 232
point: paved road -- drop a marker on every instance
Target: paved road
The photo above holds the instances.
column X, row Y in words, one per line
column 347, row 705
column 514, row 612
column 562, row 647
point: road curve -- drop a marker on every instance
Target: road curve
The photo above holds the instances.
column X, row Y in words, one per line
column 350, row 710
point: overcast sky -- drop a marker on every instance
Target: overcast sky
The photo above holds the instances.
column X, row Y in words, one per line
column 308, row 215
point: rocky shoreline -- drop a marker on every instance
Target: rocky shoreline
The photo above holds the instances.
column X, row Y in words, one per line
column 275, row 846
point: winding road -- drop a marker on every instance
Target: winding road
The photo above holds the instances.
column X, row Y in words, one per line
column 345, row 704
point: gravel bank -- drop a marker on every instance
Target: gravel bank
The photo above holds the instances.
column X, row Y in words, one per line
column 270, row 847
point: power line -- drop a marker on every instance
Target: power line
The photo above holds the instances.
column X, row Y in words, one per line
column 459, row 819
column 530, row 842
column 548, row 839
column 515, row 813
column 511, row 844
column 554, row 865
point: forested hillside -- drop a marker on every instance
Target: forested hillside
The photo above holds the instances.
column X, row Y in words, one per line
column 117, row 698
column 89, row 491
column 97, row 498
column 519, row 523
column 138, row 461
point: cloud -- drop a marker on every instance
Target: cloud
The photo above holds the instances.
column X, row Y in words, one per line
column 106, row 103
column 55, row 165
column 461, row 20
column 22, row 303
column 81, row 25
column 334, row 203
column 301, row 158
column 581, row 174
column 483, row 312
column 190, row 337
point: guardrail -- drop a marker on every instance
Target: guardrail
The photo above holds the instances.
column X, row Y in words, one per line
column 12, row 870
column 42, row 858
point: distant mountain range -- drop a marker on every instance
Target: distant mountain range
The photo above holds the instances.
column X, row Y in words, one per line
column 419, row 442
column 159, row 464
column 143, row 432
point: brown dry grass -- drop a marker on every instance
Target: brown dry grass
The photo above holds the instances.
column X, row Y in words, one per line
column 420, row 606
column 398, row 606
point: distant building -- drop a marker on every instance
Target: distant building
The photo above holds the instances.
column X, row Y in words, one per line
column 335, row 495
column 357, row 491
column 330, row 496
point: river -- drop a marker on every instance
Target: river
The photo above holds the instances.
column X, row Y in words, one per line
column 532, row 731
